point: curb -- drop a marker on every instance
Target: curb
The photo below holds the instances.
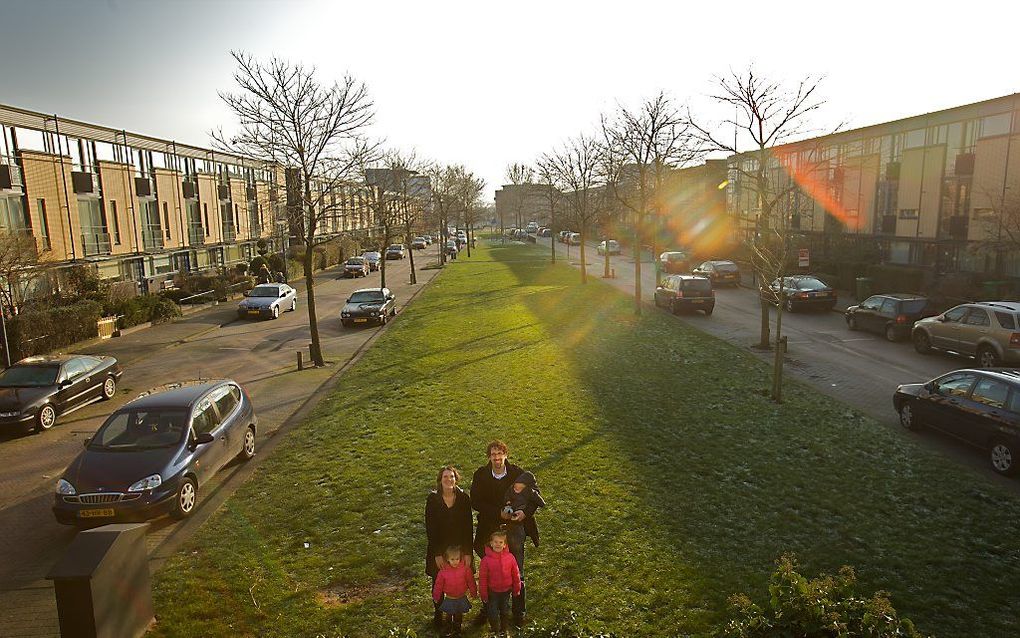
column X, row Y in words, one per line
column 213, row 501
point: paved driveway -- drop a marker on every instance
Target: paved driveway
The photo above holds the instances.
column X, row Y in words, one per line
column 258, row 354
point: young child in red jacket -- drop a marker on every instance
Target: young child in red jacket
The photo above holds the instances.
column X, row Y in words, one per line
column 498, row 578
column 453, row 583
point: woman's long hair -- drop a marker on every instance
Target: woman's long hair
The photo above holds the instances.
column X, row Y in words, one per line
column 443, row 470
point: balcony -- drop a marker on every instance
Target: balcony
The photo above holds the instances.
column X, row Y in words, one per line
column 10, row 176
column 152, row 237
column 229, row 232
column 196, row 234
column 95, row 243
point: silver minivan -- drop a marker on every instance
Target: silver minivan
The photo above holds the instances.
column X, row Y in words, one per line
column 989, row 331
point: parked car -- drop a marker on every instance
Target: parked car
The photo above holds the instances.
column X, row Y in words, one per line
column 355, row 267
column 153, row 455
column 532, row 227
column 35, row 391
column 545, row 232
column 610, row 245
column 395, row 251
column 574, row 239
column 428, row 239
column 267, row 300
column 720, row 271
column 979, row 407
column 368, row 305
column 988, row 331
column 372, row 258
column 803, row 291
column 891, row 314
column 451, row 249
column 418, row 243
column 685, row 292
column 563, row 236
column 674, row 261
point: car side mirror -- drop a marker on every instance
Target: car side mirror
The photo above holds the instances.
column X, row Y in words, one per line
column 203, row 438
column 86, row 442
column 942, row 318
column 65, row 383
column 283, row 294
column 931, row 387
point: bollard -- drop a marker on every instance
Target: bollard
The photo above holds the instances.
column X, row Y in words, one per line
column 300, row 364
column 102, row 583
column 783, row 344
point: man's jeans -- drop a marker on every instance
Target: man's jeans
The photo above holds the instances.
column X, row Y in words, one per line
column 515, row 539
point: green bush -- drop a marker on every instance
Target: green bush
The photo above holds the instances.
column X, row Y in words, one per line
column 275, row 262
column 164, row 310
column 262, row 247
column 48, row 329
column 821, row 607
column 256, row 265
column 889, row 278
column 145, row 308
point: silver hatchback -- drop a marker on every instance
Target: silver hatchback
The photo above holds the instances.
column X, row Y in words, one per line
column 989, row 331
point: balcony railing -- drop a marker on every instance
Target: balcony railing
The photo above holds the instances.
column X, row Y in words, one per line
column 95, row 243
column 196, row 234
column 229, row 233
column 152, row 237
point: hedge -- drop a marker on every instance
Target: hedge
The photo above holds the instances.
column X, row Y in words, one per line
column 45, row 330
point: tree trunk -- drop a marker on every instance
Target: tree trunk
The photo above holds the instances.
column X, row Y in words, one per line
column 637, row 264
column 410, row 255
column 584, row 264
column 315, row 350
column 777, row 363
column 766, row 340
column 605, row 273
column 467, row 234
column 383, row 260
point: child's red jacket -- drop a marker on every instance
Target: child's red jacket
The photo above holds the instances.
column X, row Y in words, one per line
column 454, row 582
column 498, row 572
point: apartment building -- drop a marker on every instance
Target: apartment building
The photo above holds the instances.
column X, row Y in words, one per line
column 142, row 208
column 933, row 190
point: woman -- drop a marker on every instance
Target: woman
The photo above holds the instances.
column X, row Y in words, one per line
column 447, row 523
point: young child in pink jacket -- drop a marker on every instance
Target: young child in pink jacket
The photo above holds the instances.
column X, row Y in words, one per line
column 453, row 583
column 498, row 578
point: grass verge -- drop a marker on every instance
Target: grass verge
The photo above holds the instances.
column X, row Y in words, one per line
column 672, row 481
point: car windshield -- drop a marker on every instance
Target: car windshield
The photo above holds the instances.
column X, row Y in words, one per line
column 371, row 255
column 264, row 291
column 726, row 266
column 28, row 376
column 395, row 247
column 356, row 261
column 675, row 256
column 141, row 429
column 366, row 296
column 809, row 283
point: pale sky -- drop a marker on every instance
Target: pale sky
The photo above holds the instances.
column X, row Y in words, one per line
column 489, row 83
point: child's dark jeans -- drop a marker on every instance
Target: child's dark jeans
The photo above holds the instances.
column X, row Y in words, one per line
column 498, row 605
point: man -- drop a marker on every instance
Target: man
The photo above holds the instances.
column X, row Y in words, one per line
column 488, row 496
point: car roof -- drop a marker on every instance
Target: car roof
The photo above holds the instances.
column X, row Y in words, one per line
column 721, row 261
column 902, row 296
column 48, row 359
column 1012, row 306
column 369, row 290
column 182, row 394
column 689, row 277
column 1009, row 375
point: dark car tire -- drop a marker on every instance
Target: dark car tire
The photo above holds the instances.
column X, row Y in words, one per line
column 851, row 322
column 890, row 333
column 45, row 418
column 109, row 388
column 987, row 357
column 708, row 311
column 922, row 343
column 1003, row 456
column 293, row 305
column 248, row 445
column 276, row 312
column 186, row 498
column 908, row 418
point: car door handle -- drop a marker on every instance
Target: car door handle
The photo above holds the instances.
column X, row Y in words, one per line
column 223, row 438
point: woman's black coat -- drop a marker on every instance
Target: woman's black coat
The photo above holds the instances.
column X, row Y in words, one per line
column 446, row 526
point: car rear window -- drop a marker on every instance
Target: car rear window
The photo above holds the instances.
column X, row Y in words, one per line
column 913, row 306
column 726, row 267
column 1005, row 320
column 700, row 285
column 810, row 283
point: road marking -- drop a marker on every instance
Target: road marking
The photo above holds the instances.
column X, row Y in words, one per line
column 243, row 349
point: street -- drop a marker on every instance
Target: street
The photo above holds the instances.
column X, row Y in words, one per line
column 859, row 368
column 260, row 355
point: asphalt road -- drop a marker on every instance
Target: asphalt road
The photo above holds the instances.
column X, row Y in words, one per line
column 261, row 355
column 858, row 368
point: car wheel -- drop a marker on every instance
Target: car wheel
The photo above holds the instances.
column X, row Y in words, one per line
column 907, row 417
column 109, row 388
column 187, row 496
column 789, row 305
column 851, row 322
column 393, row 311
column 46, row 418
column 987, row 357
column 1003, row 455
column 708, row 311
column 248, row 447
column 921, row 342
column 382, row 319
column 890, row 333
column 276, row 312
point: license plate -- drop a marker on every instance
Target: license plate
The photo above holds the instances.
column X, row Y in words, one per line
column 362, row 320
column 254, row 312
column 697, row 301
column 103, row 513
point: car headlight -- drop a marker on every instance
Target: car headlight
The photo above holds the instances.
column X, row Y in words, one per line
column 345, row 314
column 65, row 489
column 147, row 483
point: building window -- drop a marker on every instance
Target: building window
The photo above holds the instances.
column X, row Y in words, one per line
column 44, row 225
column 205, row 215
column 914, row 139
column 908, row 213
column 166, row 220
column 995, row 125
column 116, row 222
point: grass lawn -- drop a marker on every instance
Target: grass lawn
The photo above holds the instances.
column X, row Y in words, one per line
column 672, row 481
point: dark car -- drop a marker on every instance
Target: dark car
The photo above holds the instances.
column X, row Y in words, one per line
column 369, row 305
column 979, row 407
column 892, row 314
column 356, row 267
column 37, row 390
column 685, row 292
column 372, row 258
column 152, row 456
column 674, row 261
column 395, row 251
column 720, row 271
column 804, row 291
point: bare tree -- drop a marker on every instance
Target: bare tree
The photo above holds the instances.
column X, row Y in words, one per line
column 521, row 177
column 552, row 196
column 19, row 264
column 469, row 192
column 446, row 183
column 287, row 116
column 643, row 146
column 410, row 191
column 772, row 115
column 576, row 171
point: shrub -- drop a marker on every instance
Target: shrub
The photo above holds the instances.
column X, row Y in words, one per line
column 889, row 278
column 256, row 264
column 275, row 262
column 821, row 607
column 262, row 247
column 47, row 329
column 164, row 310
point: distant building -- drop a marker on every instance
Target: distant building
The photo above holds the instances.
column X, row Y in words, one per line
column 517, row 204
